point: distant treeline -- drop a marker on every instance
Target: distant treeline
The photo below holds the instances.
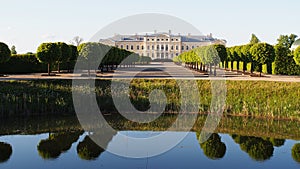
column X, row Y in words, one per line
column 255, row 56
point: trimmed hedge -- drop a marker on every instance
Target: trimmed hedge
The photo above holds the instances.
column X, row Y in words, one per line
column 23, row 63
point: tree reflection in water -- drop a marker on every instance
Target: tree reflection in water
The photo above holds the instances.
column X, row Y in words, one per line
column 89, row 150
column 296, row 152
column 5, row 152
column 258, row 149
column 57, row 143
column 213, row 148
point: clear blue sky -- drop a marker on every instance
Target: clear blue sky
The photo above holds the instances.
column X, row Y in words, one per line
column 26, row 24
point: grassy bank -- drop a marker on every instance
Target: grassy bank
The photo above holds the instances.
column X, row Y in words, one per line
column 272, row 100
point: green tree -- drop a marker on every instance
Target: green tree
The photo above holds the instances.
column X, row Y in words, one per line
column 57, row 143
column 296, row 152
column 247, row 56
column 5, row 151
column 13, row 50
column 262, row 53
column 65, row 56
column 221, row 49
column 254, row 39
column 73, row 58
column 88, row 149
column 213, row 148
column 48, row 53
column 284, row 61
column 4, row 53
column 90, row 55
column 297, row 55
column 286, row 40
column 257, row 148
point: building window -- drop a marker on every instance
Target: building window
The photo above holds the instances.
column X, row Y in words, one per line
column 193, row 47
column 148, row 47
column 142, row 47
column 176, row 54
column 167, row 39
column 176, row 47
column 117, row 46
column 187, row 47
column 148, row 54
column 152, row 55
column 167, row 47
column 172, row 47
column 121, row 46
column 162, row 39
column 176, row 39
column 157, row 47
column 167, row 55
column 162, row 47
column 157, row 39
column 162, row 55
column 152, row 39
column 172, row 39
column 131, row 47
column 172, row 55
column 137, row 47
column 182, row 47
column 127, row 47
column 148, row 39
column 152, row 47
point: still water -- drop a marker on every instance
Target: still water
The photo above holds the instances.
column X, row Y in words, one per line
column 75, row 150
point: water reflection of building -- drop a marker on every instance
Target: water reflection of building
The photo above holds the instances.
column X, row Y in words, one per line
column 161, row 45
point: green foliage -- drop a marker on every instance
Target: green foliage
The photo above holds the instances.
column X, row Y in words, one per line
column 222, row 53
column 13, row 50
column 88, row 149
column 262, row 53
column 284, row 62
column 4, row 53
column 286, row 41
column 296, row 152
column 297, row 55
column 213, row 148
column 257, row 148
column 23, row 63
column 5, row 152
column 56, row 144
column 254, row 39
column 48, row 53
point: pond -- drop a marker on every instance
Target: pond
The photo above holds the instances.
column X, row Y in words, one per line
column 61, row 143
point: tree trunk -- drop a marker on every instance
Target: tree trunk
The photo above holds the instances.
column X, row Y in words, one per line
column 48, row 69
column 58, row 68
column 215, row 69
column 201, row 66
column 231, row 66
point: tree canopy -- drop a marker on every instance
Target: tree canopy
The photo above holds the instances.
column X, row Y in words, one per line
column 297, row 55
column 5, row 53
column 48, row 53
column 254, row 39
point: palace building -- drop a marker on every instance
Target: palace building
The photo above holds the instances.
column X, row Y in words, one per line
column 161, row 45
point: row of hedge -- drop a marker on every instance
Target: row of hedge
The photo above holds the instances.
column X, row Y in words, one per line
column 295, row 70
column 28, row 63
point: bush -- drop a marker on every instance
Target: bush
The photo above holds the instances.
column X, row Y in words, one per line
column 24, row 63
